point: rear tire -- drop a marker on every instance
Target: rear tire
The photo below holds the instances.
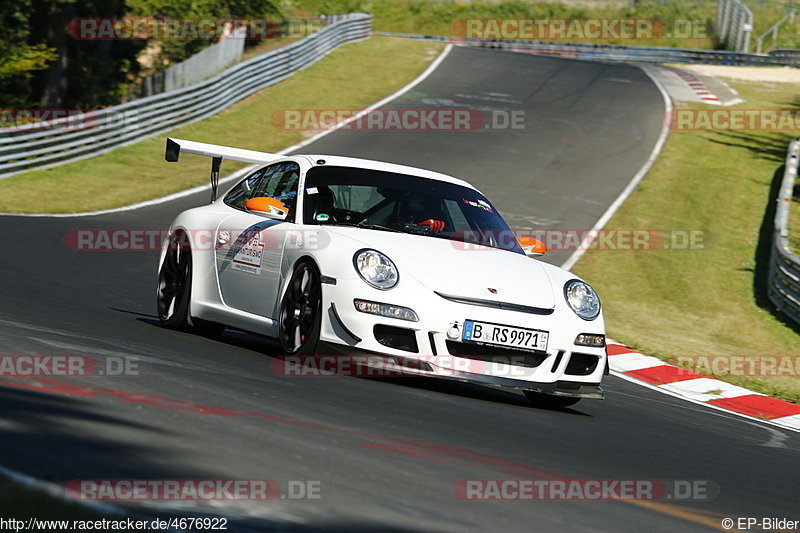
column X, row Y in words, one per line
column 175, row 290
column 300, row 317
column 549, row 401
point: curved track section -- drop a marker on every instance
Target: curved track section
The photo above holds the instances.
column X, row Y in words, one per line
column 386, row 452
column 587, row 129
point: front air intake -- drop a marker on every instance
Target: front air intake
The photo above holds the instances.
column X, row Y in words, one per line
column 398, row 338
column 581, row 364
column 496, row 354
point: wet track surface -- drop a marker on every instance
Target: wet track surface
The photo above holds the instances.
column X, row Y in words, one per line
column 385, row 451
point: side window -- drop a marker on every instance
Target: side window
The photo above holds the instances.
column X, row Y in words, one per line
column 242, row 192
column 280, row 182
column 276, row 181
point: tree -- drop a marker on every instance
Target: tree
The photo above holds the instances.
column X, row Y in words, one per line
column 19, row 60
column 43, row 63
column 86, row 73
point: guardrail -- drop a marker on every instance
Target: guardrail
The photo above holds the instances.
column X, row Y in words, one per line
column 784, row 267
column 785, row 52
column 613, row 53
column 89, row 134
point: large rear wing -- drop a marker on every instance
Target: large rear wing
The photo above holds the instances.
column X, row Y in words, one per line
column 217, row 153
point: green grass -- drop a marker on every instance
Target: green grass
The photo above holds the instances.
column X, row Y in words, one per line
column 768, row 12
column 711, row 301
column 351, row 77
column 438, row 18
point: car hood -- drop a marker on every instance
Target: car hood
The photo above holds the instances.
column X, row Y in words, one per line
column 454, row 269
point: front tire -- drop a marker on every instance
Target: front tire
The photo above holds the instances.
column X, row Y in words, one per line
column 300, row 315
column 175, row 290
column 549, row 401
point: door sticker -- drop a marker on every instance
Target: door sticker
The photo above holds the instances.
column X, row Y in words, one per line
column 249, row 257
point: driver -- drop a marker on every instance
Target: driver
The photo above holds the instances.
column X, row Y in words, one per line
column 423, row 210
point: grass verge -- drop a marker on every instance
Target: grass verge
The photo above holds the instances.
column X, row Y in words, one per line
column 439, row 17
column 351, row 77
column 710, row 301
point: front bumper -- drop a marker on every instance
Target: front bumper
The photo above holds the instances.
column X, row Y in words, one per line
column 563, row 369
column 393, row 366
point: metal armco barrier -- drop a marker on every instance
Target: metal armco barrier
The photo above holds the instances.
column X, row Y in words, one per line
column 92, row 133
column 784, row 267
column 612, row 53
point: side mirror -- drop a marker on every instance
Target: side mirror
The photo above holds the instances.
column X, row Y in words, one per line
column 532, row 247
column 267, row 207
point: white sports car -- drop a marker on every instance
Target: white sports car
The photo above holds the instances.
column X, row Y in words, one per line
column 405, row 267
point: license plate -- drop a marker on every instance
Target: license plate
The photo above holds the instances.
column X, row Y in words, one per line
column 500, row 335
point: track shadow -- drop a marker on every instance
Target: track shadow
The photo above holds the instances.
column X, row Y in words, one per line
column 39, row 437
column 470, row 390
column 771, row 146
column 765, row 145
column 46, row 437
column 146, row 315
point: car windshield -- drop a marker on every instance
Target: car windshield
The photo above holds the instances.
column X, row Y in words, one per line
column 388, row 201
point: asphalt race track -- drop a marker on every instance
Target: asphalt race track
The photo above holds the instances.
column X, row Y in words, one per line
column 385, row 452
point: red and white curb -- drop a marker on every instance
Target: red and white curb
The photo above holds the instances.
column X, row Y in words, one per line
column 699, row 388
column 697, row 86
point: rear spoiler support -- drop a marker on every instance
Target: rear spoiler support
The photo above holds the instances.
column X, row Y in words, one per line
column 217, row 153
column 216, row 162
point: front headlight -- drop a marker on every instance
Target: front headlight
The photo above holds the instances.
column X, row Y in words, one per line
column 376, row 269
column 582, row 299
